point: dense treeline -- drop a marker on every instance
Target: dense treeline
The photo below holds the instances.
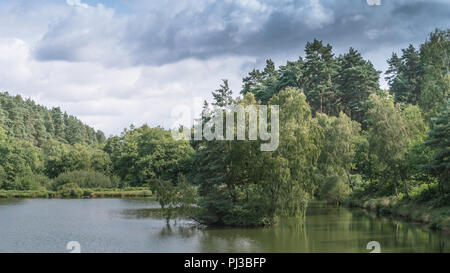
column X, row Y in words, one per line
column 26, row 120
column 341, row 137
column 242, row 185
column 38, row 144
column 421, row 77
column 331, row 84
column 24, row 166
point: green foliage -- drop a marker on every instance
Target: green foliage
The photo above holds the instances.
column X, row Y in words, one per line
column 338, row 151
column 187, row 194
column 71, row 190
column 335, row 190
column 32, row 145
column 222, row 95
column 297, row 155
column 170, row 196
column 60, row 158
column 18, row 159
column 425, row 192
column 422, row 76
column 320, row 70
column 331, row 84
column 405, row 76
column 143, row 154
column 33, row 182
column 356, row 80
column 24, row 119
column 263, row 84
column 439, row 142
column 165, row 193
column 392, row 131
column 341, row 138
column 435, row 85
column 84, row 179
column 241, row 185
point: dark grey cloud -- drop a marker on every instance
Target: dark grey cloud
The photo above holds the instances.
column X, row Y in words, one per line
column 170, row 31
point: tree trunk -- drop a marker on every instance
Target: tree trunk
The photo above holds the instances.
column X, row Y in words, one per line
column 320, row 103
column 405, row 188
column 350, row 182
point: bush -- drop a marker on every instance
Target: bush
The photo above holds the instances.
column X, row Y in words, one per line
column 32, row 182
column 84, row 179
column 70, row 190
column 424, row 192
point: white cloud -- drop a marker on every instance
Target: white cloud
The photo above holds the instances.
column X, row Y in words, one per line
column 77, row 3
column 111, row 98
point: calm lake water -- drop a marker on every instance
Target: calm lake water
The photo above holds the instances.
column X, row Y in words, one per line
column 119, row 225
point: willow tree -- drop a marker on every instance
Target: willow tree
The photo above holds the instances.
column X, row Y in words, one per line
column 242, row 185
column 336, row 160
column 297, row 155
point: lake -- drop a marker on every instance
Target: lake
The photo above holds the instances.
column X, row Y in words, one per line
column 118, row 225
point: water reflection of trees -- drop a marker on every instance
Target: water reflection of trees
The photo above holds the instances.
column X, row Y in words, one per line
column 393, row 234
column 326, row 229
column 11, row 202
column 180, row 229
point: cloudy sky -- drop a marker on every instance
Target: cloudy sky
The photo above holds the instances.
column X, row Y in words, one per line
column 117, row 62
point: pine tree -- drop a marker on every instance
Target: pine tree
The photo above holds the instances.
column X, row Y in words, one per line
column 48, row 123
column 405, row 76
column 356, row 80
column 223, row 95
column 320, row 69
column 263, row 84
column 58, row 123
column 291, row 75
column 394, row 64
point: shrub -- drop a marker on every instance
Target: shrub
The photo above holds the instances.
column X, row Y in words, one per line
column 32, row 182
column 43, row 181
column 424, row 192
column 84, row 179
column 70, row 190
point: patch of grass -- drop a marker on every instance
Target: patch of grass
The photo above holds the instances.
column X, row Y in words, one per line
column 70, row 191
column 28, row 194
column 120, row 194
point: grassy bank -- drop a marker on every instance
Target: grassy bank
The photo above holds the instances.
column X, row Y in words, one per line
column 79, row 193
column 434, row 217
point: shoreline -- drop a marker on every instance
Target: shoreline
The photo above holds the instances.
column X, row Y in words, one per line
column 435, row 218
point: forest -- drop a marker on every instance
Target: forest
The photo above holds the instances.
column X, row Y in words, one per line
column 343, row 139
